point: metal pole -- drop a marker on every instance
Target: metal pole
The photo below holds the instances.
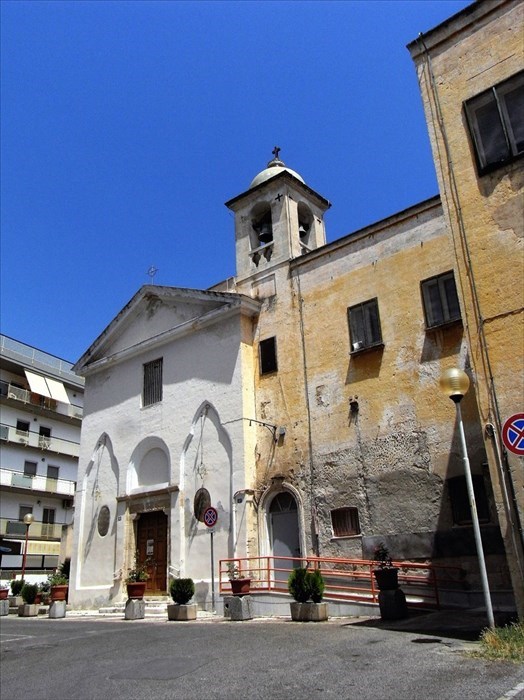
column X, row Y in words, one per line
column 25, row 550
column 212, row 574
column 474, row 518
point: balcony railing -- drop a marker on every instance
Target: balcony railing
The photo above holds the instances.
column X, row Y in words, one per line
column 37, row 530
column 29, row 397
column 9, row 433
column 61, row 487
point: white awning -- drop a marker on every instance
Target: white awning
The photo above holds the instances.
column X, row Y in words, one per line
column 37, row 383
column 57, row 390
column 45, row 386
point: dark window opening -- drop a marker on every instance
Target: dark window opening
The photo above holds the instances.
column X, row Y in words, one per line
column 441, row 304
column 458, row 494
column 152, row 390
column 268, row 355
column 345, row 522
column 22, row 426
column 30, row 468
column 496, row 123
column 364, row 325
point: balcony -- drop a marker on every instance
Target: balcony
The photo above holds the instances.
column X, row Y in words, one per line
column 9, row 433
column 9, row 391
column 15, row 529
column 42, row 484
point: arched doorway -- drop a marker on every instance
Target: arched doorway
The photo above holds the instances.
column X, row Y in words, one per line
column 284, row 533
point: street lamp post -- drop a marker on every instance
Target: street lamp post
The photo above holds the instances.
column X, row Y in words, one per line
column 455, row 384
column 28, row 519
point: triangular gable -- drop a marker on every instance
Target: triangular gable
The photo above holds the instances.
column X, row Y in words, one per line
column 156, row 311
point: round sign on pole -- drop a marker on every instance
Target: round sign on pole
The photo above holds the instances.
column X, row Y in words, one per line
column 513, row 434
column 210, row 516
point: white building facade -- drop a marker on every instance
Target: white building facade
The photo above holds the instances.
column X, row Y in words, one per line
column 41, row 406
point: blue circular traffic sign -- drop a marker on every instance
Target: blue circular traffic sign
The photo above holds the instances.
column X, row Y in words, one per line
column 513, row 434
column 210, row 516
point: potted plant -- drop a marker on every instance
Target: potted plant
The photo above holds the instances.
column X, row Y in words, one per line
column 136, row 581
column 29, row 608
column 4, row 590
column 15, row 599
column 240, row 583
column 45, row 592
column 58, row 585
column 182, row 590
column 307, row 588
column 386, row 575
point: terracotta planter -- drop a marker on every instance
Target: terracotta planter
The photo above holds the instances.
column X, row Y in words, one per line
column 136, row 589
column 386, row 578
column 3, row 593
column 59, row 592
column 309, row 612
column 240, row 586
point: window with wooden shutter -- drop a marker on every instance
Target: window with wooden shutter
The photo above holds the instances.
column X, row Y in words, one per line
column 152, row 389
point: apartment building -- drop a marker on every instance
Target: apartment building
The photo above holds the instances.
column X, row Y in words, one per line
column 41, row 406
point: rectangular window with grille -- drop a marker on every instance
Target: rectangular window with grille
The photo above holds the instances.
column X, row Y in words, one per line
column 496, row 123
column 441, row 304
column 364, row 325
column 345, row 522
column 152, row 388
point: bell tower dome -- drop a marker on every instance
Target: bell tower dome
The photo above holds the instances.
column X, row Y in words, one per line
column 277, row 219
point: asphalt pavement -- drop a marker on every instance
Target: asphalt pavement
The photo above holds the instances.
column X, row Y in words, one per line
column 94, row 658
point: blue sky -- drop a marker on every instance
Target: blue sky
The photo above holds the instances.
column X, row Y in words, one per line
column 127, row 125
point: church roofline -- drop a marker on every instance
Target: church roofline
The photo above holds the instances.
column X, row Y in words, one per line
column 232, row 301
column 282, row 175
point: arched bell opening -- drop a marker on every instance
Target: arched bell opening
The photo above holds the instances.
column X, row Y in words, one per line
column 262, row 224
column 305, row 224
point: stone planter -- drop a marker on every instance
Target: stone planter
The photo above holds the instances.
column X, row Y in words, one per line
column 182, row 613
column 27, row 610
column 238, row 607
column 4, row 593
column 309, row 612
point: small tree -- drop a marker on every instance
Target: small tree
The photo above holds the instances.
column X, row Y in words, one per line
column 29, row 593
column 299, row 585
column 16, row 586
column 182, row 590
column 317, row 585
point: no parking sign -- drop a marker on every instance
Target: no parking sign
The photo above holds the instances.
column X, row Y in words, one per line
column 513, row 434
column 210, row 516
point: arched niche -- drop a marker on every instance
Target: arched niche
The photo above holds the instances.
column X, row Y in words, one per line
column 305, row 223
column 261, row 224
column 149, row 466
column 97, row 544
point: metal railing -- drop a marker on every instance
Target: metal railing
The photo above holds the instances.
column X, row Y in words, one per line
column 37, row 530
column 33, row 355
column 42, row 442
column 37, row 482
column 29, row 397
column 345, row 579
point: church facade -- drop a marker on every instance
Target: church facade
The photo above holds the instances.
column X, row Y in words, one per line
column 299, row 398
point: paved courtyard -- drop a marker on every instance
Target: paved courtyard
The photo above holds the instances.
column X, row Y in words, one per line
column 93, row 658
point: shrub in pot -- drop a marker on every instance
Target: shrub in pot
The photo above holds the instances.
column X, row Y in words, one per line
column 182, row 590
column 386, row 575
column 136, row 580
column 58, row 585
column 29, row 593
column 307, row 588
column 16, row 586
column 240, row 580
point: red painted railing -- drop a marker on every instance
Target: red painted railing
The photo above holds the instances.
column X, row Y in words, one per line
column 346, row 579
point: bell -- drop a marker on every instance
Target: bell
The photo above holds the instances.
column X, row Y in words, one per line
column 302, row 230
column 265, row 233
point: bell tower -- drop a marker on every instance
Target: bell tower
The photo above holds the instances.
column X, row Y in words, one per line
column 277, row 219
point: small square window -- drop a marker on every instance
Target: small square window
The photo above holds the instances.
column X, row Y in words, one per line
column 496, row 123
column 30, row 468
column 152, row 389
column 440, row 299
column 345, row 522
column 22, row 427
column 268, row 355
column 458, row 494
column 364, row 325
